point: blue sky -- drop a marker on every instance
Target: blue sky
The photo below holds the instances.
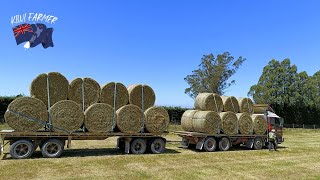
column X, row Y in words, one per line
column 159, row 42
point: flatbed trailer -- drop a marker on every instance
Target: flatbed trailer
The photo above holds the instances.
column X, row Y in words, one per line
column 51, row 144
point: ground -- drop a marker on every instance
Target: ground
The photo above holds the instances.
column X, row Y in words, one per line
column 298, row 158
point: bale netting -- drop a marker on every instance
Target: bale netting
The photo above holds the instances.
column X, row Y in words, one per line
column 157, row 119
column 135, row 96
column 206, row 122
column 85, row 91
column 66, row 115
column 130, row 119
column 245, row 105
column 187, row 121
column 245, row 123
column 23, row 112
column 259, row 124
column 108, row 93
column 58, row 87
column 229, row 123
column 208, row 102
column 99, row 117
column 230, row 103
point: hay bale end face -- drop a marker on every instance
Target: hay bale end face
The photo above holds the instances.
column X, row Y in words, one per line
column 157, row 119
column 229, row 123
column 135, row 96
column 67, row 115
column 107, row 94
column 230, row 103
column 186, row 120
column 130, row 119
column 91, row 91
column 206, row 122
column 245, row 123
column 58, row 87
column 99, row 117
column 29, row 107
column 259, row 124
column 208, row 102
column 245, row 105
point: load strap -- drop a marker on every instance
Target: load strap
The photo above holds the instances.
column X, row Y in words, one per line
column 142, row 109
column 114, row 106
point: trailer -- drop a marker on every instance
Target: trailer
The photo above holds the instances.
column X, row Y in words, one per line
column 51, row 144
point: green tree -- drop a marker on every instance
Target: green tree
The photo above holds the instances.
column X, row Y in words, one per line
column 213, row 74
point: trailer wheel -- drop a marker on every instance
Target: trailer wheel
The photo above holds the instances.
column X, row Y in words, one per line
column 52, row 148
column 21, row 149
column 158, row 146
column 138, row 146
column 224, row 144
column 210, row 144
column 258, row 143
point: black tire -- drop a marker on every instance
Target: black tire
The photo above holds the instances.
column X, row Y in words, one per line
column 138, row 146
column 21, row 149
column 52, row 148
column 210, row 144
column 224, row 144
column 258, row 143
column 157, row 146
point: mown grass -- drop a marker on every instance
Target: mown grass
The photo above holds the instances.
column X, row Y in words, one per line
column 297, row 158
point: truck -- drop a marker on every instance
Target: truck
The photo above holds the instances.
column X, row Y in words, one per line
column 210, row 142
column 51, row 144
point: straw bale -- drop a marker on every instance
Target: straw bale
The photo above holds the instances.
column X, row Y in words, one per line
column 107, row 94
column 208, row 102
column 245, row 105
column 99, row 117
column 91, row 91
column 157, row 119
column 27, row 106
column 207, row 122
column 130, row 119
column 229, row 123
column 135, row 96
column 186, row 120
column 230, row 103
column 259, row 124
column 67, row 115
column 58, row 87
column 245, row 123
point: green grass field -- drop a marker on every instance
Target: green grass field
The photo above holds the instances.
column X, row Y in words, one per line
column 298, row 158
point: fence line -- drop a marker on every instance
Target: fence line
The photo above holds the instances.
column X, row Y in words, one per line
column 304, row 126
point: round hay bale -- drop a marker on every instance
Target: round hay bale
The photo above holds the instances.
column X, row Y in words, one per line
column 208, row 102
column 259, row 124
column 157, row 119
column 206, row 122
column 245, row 123
column 58, row 87
column 27, row 107
column 229, row 123
column 135, row 96
column 230, row 103
column 66, row 115
column 245, row 105
column 99, row 118
column 107, row 94
column 186, row 120
column 91, row 91
column 130, row 119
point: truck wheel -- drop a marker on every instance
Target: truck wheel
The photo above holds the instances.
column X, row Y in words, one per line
column 52, row 148
column 158, row 146
column 21, row 149
column 210, row 144
column 258, row 143
column 224, row 144
column 138, row 146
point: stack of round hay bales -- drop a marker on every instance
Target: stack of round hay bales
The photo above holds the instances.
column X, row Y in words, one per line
column 230, row 103
column 187, row 121
column 229, row 123
column 114, row 94
column 208, row 102
column 245, row 105
column 259, row 124
column 245, row 123
column 84, row 91
column 141, row 95
column 130, row 119
column 156, row 119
